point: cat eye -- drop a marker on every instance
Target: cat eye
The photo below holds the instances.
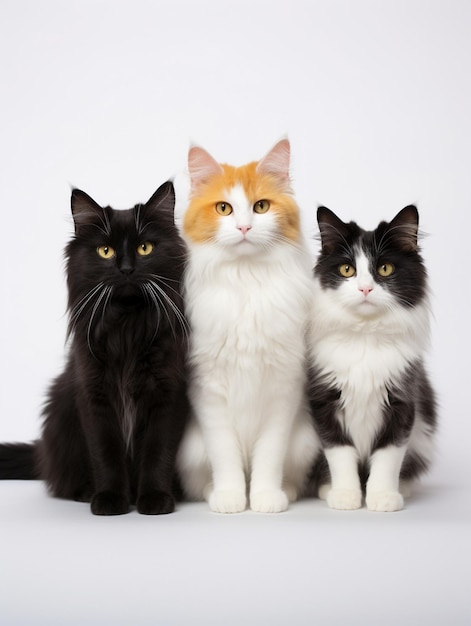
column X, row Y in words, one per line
column 347, row 270
column 106, row 252
column 386, row 269
column 261, row 206
column 144, row 249
column 223, row 208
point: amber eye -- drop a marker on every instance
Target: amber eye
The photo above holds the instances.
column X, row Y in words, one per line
column 223, row 208
column 386, row 269
column 347, row 270
column 145, row 248
column 261, row 206
column 106, row 252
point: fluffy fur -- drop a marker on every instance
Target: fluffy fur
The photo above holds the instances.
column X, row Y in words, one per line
column 372, row 403
column 247, row 293
column 115, row 416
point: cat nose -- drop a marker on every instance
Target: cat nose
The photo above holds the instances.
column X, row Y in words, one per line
column 365, row 290
column 126, row 268
column 244, row 229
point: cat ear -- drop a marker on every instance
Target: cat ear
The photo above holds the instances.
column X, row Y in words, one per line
column 333, row 231
column 276, row 162
column 202, row 167
column 86, row 211
column 163, row 200
column 404, row 228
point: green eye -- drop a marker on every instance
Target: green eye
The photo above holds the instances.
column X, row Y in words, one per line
column 144, row 249
column 106, row 252
column 385, row 270
column 261, row 206
column 346, row 270
column 223, row 208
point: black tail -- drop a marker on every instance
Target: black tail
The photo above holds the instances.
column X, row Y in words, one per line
column 18, row 461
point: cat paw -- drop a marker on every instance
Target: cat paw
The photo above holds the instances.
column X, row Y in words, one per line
column 109, row 503
column 385, row 501
column 227, row 501
column 344, row 499
column 269, row 501
column 155, row 503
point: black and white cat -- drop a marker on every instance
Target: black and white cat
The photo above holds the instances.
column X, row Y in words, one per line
column 372, row 403
column 115, row 416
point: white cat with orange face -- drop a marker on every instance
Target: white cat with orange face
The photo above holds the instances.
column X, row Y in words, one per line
column 248, row 291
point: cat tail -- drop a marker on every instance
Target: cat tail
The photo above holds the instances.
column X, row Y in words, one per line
column 19, row 461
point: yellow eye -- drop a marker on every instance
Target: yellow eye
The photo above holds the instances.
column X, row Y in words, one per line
column 106, row 252
column 223, row 208
column 386, row 269
column 144, row 249
column 261, row 206
column 346, row 270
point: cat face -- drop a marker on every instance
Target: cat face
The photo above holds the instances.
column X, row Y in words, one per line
column 131, row 257
column 243, row 209
column 371, row 272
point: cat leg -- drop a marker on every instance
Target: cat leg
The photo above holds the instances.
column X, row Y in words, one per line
column 269, row 453
column 165, row 412
column 345, row 492
column 107, row 455
column 382, row 487
column 228, row 492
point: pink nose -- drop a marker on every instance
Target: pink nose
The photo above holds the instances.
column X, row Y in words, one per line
column 365, row 290
column 244, row 229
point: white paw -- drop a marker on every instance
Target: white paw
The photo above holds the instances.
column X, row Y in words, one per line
column 323, row 491
column 344, row 499
column 269, row 501
column 384, row 501
column 227, row 501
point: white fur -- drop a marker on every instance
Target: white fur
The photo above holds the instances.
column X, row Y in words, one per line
column 248, row 299
column 382, row 491
column 360, row 343
column 345, row 492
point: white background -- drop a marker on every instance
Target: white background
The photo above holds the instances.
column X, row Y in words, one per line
column 107, row 95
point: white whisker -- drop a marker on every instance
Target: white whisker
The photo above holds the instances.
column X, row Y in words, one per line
column 160, row 293
column 80, row 307
column 105, row 291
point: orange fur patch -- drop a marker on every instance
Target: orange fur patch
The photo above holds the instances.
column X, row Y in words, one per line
column 200, row 222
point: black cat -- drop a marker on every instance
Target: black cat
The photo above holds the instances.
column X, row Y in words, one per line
column 115, row 416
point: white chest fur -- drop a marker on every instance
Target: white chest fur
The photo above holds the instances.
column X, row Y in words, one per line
column 248, row 307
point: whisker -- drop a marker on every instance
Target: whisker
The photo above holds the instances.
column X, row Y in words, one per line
column 164, row 281
column 105, row 304
column 102, row 294
column 78, row 309
column 151, row 298
column 159, row 292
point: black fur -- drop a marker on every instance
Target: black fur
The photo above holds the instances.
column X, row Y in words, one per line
column 115, row 416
